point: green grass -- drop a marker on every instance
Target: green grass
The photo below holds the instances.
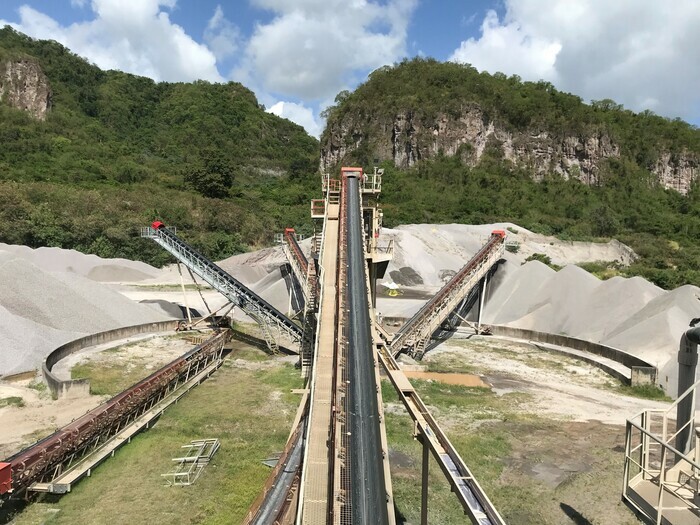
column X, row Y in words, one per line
column 236, row 405
column 110, row 378
column 504, row 445
column 107, row 378
column 12, row 401
column 644, row 392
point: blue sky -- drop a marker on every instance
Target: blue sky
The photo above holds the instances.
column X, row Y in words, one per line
column 297, row 54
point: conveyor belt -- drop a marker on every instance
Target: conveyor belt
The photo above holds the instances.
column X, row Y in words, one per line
column 368, row 503
column 266, row 315
column 413, row 337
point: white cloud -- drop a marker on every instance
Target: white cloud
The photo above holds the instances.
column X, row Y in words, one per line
column 136, row 36
column 221, row 35
column 640, row 53
column 314, row 48
column 510, row 49
column 299, row 114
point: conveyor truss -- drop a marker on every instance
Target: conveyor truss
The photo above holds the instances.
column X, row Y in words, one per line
column 414, row 336
column 273, row 323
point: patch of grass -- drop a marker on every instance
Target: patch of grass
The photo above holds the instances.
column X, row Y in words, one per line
column 38, row 385
column 230, row 406
column 543, row 258
column 12, row 401
column 115, row 375
column 249, row 353
column 451, row 366
column 603, row 269
column 645, row 392
column 108, row 378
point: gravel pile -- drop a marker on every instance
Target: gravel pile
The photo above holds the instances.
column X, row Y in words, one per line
column 47, row 299
column 90, row 266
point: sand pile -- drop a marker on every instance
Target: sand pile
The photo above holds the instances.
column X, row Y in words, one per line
column 435, row 252
column 47, row 299
column 631, row 314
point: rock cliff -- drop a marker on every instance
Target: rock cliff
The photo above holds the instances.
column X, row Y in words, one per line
column 409, row 138
column 23, row 85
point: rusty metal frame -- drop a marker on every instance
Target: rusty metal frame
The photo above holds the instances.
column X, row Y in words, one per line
column 52, row 455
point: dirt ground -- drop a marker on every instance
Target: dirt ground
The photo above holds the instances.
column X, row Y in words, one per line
column 447, row 378
column 559, row 387
column 548, row 437
column 40, row 414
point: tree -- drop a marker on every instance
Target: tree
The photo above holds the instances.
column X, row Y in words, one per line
column 212, row 178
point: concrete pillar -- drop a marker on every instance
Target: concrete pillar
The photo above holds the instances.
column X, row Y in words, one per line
column 687, row 365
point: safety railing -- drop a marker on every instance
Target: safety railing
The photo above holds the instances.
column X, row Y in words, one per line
column 660, row 474
column 318, row 208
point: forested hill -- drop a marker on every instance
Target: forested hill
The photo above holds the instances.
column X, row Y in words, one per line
column 469, row 147
column 87, row 156
column 422, row 108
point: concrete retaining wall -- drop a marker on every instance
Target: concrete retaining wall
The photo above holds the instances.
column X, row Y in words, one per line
column 642, row 372
column 80, row 387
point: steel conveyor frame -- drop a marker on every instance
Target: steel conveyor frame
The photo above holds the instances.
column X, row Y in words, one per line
column 266, row 315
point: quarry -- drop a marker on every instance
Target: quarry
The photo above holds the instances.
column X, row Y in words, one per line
column 528, row 382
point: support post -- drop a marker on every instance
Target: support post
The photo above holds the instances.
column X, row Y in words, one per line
column 687, row 365
column 184, row 295
column 424, row 494
column 482, row 295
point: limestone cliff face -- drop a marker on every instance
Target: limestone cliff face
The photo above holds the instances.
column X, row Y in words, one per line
column 23, row 85
column 410, row 138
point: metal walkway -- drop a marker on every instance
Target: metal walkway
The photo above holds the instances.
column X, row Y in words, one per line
column 272, row 322
column 346, row 477
column 414, row 336
column 316, row 472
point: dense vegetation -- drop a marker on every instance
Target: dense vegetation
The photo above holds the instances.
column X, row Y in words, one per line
column 428, row 88
column 117, row 151
column 661, row 225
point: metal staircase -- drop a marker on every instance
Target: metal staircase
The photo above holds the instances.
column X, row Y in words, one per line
column 272, row 322
column 415, row 335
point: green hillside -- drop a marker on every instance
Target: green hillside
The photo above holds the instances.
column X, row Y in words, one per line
column 117, row 151
column 627, row 202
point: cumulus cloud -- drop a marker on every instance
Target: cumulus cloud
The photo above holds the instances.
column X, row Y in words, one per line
column 640, row 53
column 136, row 36
column 313, row 48
column 299, row 114
column 221, row 35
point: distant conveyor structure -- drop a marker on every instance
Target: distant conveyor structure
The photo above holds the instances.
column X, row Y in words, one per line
column 304, row 270
column 415, row 334
column 272, row 322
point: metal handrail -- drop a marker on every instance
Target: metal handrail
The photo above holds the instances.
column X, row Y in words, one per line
column 665, row 450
